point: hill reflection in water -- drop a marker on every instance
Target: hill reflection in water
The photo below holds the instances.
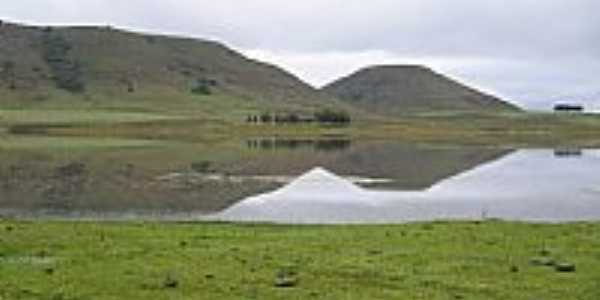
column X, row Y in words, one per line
column 188, row 181
column 528, row 185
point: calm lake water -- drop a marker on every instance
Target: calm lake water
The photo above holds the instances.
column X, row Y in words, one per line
column 299, row 181
column 528, row 185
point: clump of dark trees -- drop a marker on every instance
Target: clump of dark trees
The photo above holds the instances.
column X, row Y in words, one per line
column 66, row 71
column 8, row 73
column 326, row 116
column 204, row 86
column 332, row 116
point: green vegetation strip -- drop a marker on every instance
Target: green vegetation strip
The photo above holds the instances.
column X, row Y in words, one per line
column 12, row 142
column 507, row 129
column 471, row 260
column 75, row 117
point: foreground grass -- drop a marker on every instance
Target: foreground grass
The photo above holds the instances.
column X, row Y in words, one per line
column 490, row 260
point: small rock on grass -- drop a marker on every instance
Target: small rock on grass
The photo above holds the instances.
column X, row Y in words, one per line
column 286, row 281
column 565, row 267
column 171, row 282
column 542, row 261
column 49, row 270
column 545, row 252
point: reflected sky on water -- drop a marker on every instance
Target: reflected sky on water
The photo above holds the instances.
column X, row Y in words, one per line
column 528, row 185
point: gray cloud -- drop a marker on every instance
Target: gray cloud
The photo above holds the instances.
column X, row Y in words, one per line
column 529, row 51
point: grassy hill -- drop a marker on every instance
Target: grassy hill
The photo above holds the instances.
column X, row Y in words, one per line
column 395, row 90
column 103, row 82
column 106, row 68
column 101, row 67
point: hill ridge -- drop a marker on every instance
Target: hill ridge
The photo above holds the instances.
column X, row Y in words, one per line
column 96, row 64
column 101, row 66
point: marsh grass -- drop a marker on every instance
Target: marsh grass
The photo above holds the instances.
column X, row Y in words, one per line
column 508, row 129
column 12, row 142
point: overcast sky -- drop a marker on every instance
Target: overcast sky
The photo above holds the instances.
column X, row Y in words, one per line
column 531, row 52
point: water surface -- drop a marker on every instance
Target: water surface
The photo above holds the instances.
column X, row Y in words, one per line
column 275, row 180
column 527, row 185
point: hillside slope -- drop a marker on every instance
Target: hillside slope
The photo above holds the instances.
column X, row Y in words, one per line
column 109, row 68
column 394, row 90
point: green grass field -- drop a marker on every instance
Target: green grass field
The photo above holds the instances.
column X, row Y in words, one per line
column 470, row 260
